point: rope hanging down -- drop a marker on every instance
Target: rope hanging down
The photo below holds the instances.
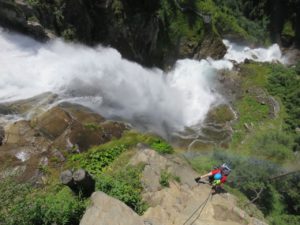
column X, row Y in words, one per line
column 206, row 18
column 203, row 204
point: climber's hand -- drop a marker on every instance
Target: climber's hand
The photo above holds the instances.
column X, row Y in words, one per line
column 197, row 179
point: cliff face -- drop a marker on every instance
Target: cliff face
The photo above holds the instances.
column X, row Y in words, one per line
column 139, row 30
column 171, row 205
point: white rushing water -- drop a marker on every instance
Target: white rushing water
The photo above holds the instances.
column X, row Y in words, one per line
column 239, row 53
column 102, row 80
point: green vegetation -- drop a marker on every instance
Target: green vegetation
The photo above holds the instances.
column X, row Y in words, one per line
column 124, row 185
column 161, row 146
column 249, row 18
column 284, row 83
column 166, row 177
column 263, row 145
column 92, row 126
column 275, row 146
column 22, row 204
column 288, row 29
column 96, row 159
column 188, row 27
column 107, row 162
column 251, row 176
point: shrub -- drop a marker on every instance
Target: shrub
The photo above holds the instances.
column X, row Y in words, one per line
column 273, row 145
column 125, row 185
column 97, row 159
column 161, row 146
column 21, row 204
column 285, row 83
column 165, row 178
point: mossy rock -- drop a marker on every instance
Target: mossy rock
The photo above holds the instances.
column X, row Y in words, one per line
column 53, row 123
column 220, row 114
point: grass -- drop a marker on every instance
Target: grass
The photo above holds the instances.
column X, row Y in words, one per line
column 251, row 112
column 255, row 74
column 166, row 177
column 97, row 158
column 203, row 164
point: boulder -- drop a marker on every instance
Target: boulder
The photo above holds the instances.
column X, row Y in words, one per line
column 53, row 123
column 81, row 182
column 106, row 210
column 212, row 46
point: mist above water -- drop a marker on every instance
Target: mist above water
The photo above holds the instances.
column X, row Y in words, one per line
column 102, row 80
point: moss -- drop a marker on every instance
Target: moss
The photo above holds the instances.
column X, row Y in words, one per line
column 255, row 74
column 92, row 126
column 221, row 114
column 69, row 34
column 288, row 29
column 251, row 113
column 166, row 177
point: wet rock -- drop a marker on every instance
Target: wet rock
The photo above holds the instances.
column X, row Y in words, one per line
column 212, row 46
column 21, row 133
column 53, row 123
column 69, row 127
column 6, row 110
column 31, row 106
column 14, row 14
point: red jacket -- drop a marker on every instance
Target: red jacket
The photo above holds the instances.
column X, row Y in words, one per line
column 223, row 179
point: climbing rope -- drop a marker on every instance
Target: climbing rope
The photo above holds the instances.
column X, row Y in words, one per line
column 203, row 204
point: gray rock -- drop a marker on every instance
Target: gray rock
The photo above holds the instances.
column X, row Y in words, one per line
column 106, row 210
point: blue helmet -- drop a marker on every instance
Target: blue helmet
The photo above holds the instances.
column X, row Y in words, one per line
column 217, row 176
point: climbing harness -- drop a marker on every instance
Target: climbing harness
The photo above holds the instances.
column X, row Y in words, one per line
column 200, row 207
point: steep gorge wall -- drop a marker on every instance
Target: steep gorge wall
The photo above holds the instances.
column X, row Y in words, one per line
column 140, row 30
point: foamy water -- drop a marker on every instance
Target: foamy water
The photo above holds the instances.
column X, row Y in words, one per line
column 102, row 80
column 239, row 53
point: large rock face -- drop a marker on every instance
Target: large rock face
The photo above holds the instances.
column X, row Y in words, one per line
column 106, row 210
column 171, row 205
column 27, row 145
column 16, row 14
column 137, row 29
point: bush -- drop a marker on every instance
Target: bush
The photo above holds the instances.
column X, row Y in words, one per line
column 165, row 178
column 21, row 204
column 273, row 145
column 284, row 83
column 60, row 208
column 97, row 159
column 161, row 146
column 125, row 185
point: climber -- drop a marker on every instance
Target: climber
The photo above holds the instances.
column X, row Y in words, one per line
column 216, row 177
